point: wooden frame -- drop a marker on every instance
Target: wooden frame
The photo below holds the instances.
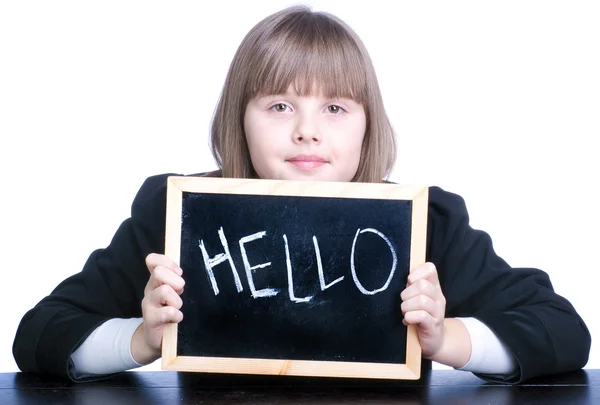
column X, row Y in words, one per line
column 419, row 196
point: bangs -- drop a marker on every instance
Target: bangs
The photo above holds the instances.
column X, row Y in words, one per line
column 313, row 53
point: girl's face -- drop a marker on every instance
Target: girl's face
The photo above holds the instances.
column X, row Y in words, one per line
column 291, row 137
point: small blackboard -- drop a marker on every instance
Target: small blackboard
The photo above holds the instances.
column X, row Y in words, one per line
column 294, row 278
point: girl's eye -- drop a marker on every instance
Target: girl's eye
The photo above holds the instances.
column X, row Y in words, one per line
column 334, row 109
column 279, row 107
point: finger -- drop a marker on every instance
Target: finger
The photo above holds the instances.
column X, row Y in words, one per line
column 421, row 287
column 423, row 303
column 427, row 271
column 163, row 275
column 164, row 296
column 428, row 325
column 163, row 315
column 419, row 303
column 420, row 317
column 154, row 260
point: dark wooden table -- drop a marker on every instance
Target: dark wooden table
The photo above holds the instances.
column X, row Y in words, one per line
column 439, row 387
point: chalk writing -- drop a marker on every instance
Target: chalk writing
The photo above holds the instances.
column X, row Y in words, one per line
column 265, row 292
column 218, row 259
column 210, row 263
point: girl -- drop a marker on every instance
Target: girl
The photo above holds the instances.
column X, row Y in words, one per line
column 301, row 102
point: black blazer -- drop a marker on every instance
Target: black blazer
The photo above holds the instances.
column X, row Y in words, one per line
column 541, row 328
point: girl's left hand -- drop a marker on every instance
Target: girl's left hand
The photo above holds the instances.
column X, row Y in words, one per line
column 424, row 305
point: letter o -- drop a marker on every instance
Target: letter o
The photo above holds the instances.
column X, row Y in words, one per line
column 360, row 287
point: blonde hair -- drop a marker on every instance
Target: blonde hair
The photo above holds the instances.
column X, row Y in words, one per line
column 307, row 49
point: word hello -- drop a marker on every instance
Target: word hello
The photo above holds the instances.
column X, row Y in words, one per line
column 211, row 263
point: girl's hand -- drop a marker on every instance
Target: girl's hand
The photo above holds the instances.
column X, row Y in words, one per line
column 424, row 305
column 161, row 305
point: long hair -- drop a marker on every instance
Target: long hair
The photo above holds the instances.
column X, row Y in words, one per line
column 308, row 50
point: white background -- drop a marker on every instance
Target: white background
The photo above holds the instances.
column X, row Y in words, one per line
column 498, row 102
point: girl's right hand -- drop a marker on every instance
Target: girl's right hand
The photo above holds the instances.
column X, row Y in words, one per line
column 161, row 305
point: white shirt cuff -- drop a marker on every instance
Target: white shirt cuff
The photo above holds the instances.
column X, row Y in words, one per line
column 489, row 355
column 107, row 349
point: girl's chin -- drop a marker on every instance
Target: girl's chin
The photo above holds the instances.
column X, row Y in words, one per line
column 294, row 173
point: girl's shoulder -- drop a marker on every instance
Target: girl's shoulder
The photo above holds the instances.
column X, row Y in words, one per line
column 447, row 217
column 444, row 203
column 156, row 186
column 150, row 201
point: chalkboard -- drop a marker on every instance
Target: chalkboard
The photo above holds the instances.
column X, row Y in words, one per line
column 294, row 278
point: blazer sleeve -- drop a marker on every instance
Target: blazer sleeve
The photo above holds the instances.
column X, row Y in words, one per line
column 111, row 285
column 542, row 329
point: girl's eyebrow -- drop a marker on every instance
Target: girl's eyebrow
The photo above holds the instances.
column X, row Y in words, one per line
column 269, row 95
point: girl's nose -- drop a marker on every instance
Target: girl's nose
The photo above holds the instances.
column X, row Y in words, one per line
column 307, row 130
